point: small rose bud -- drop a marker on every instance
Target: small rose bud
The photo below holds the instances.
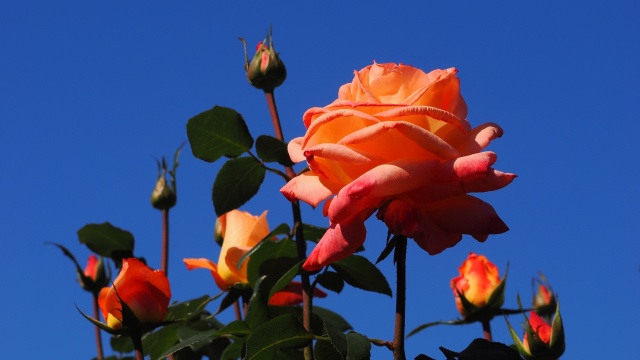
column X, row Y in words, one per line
column 544, row 301
column 163, row 196
column 479, row 287
column 265, row 71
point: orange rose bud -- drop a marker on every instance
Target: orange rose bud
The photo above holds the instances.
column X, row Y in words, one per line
column 541, row 339
column 241, row 231
column 145, row 292
column 265, row 71
column 544, row 301
column 478, row 286
column 95, row 276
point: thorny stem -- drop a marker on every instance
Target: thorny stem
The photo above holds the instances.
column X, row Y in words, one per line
column 299, row 233
column 236, row 308
column 97, row 329
column 401, row 289
column 486, row 330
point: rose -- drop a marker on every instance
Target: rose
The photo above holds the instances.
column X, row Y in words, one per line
column 240, row 232
column 94, row 275
column 478, row 281
column 146, row 292
column 397, row 140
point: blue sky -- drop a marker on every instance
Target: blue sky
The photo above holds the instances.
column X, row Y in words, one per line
column 91, row 91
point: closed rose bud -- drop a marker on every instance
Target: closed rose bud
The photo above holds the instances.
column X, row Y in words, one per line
column 163, row 196
column 145, row 292
column 544, row 301
column 265, row 71
column 541, row 341
column 95, row 276
column 480, row 285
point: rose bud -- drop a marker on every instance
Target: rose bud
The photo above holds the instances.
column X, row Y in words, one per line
column 544, row 301
column 163, row 196
column 478, row 287
column 95, row 276
column 541, row 340
column 145, row 292
column 265, row 71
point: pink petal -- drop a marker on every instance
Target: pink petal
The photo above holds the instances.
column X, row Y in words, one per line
column 338, row 152
column 480, row 137
column 339, row 242
column 295, row 150
column 466, row 215
column 466, row 167
column 493, row 180
column 306, row 187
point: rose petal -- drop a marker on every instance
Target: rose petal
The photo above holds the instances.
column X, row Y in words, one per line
column 339, row 242
column 203, row 263
column 432, row 112
column 480, row 137
column 308, row 188
column 466, row 215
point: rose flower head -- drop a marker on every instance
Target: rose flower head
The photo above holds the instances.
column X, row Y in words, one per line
column 265, row 71
column 541, row 341
column 240, row 232
column 138, row 296
column 397, row 141
column 478, row 290
column 544, row 300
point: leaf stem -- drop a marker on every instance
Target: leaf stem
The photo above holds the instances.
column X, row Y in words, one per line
column 96, row 312
column 401, row 265
column 301, row 245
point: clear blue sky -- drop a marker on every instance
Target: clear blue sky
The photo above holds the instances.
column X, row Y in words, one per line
column 90, row 91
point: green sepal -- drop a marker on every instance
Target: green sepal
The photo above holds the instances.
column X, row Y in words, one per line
column 218, row 132
column 359, row 272
column 99, row 324
column 271, row 149
column 557, row 342
column 516, row 340
column 391, row 245
column 237, row 181
column 434, row 323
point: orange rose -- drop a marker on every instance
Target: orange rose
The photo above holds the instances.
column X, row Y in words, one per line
column 397, row 140
column 240, row 232
column 478, row 280
column 541, row 340
column 292, row 295
column 146, row 292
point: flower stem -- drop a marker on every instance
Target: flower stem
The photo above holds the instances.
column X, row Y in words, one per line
column 96, row 314
column 236, row 308
column 486, row 330
column 401, row 264
column 137, row 345
column 164, row 265
column 301, row 245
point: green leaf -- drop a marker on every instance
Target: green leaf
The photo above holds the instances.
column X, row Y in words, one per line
column 237, row 181
column 273, row 258
column 218, row 132
column 331, row 281
column 257, row 310
column 107, row 240
column 328, row 316
column 323, row 350
column 285, row 279
column 481, row 349
column 200, row 336
column 338, row 339
column 279, row 230
column 159, row 341
column 282, row 332
column 358, row 347
column 121, row 344
column 232, row 352
column 313, row 233
column 359, row 272
column 186, row 309
column 236, row 328
column 271, row 149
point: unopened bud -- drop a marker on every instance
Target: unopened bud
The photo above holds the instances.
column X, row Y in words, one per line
column 265, row 71
column 163, row 196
